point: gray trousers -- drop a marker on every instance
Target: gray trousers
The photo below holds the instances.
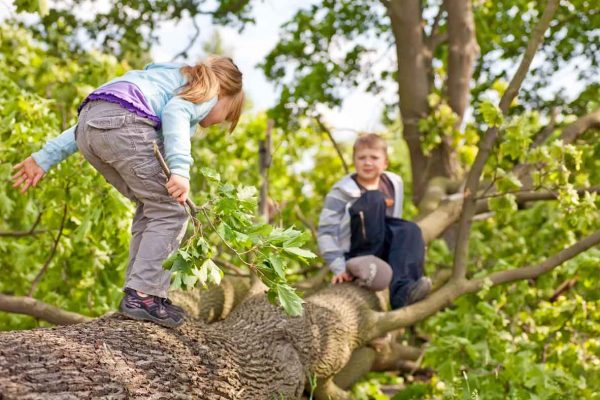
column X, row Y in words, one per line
column 118, row 143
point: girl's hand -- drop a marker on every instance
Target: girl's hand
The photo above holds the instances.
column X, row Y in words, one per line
column 178, row 187
column 28, row 173
column 342, row 277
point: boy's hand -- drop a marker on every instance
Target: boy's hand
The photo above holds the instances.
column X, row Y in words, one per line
column 28, row 173
column 178, row 187
column 342, row 277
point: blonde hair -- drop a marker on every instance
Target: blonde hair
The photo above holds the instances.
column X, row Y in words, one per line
column 370, row 141
column 215, row 76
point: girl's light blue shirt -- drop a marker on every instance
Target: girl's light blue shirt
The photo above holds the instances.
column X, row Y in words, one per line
column 159, row 83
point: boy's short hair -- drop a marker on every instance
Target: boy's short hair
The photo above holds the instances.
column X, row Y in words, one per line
column 370, row 141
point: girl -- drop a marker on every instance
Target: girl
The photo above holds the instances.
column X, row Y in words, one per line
column 117, row 125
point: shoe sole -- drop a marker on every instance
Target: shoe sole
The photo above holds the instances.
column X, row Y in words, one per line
column 140, row 315
column 420, row 293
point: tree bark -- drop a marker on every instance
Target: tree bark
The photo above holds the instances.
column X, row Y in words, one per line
column 464, row 226
column 414, row 55
column 256, row 353
column 39, row 309
column 462, row 52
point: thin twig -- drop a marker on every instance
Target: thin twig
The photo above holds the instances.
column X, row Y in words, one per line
column 305, row 221
column 184, row 52
column 42, row 271
column 562, row 288
column 30, row 232
column 163, row 164
column 225, row 242
column 230, row 266
column 337, row 148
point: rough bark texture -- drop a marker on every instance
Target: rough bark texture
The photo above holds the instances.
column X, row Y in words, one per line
column 256, row 353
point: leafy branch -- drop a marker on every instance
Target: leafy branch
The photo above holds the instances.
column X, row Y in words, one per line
column 228, row 216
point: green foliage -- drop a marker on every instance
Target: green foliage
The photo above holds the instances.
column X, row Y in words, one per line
column 84, row 275
column 492, row 115
column 124, row 29
column 506, row 342
column 369, row 388
column 226, row 217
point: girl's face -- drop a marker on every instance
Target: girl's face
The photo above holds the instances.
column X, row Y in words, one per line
column 218, row 113
column 369, row 163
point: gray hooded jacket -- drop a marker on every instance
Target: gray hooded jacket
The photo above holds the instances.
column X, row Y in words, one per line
column 334, row 223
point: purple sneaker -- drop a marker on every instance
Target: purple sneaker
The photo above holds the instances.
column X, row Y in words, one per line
column 151, row 308
column 169, row 303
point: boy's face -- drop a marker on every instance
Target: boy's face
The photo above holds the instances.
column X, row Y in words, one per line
column 369, row 163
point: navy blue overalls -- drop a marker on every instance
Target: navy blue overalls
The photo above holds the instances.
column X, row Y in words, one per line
column 397, row 241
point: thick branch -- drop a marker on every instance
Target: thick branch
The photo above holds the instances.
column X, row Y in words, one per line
column 534, row 271
column 543, row 135
column 589, row 121
column 437, row 189
column 464, row 227
column 414, row 62
column 569, row 134
column 536, row 39
column 184, row 52
column 437, row 221
column 385, row 322
column 40, row 310
column 524, row 196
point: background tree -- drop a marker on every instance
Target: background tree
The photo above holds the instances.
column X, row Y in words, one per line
column 479, row 156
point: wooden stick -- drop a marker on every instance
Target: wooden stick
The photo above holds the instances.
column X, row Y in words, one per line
column 165, row 168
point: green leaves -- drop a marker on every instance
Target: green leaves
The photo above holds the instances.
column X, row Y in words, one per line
column 289, row 300
column 227, row 219
column 491, row 113
column 299, row 252
column 211, row 175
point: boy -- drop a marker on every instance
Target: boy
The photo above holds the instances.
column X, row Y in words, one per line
column 361, row 216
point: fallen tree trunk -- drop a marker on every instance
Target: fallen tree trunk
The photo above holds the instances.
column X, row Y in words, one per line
column 255, row 353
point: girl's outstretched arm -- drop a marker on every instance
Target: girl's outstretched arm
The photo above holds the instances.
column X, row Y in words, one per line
column 57, row 149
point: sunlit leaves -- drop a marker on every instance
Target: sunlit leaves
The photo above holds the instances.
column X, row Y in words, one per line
column 85, row 273
column 491, row 113
column 227, row 218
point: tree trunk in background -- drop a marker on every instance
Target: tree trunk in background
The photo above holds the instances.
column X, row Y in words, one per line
column 413, row 82
column 414, row 63
column 462, row 52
